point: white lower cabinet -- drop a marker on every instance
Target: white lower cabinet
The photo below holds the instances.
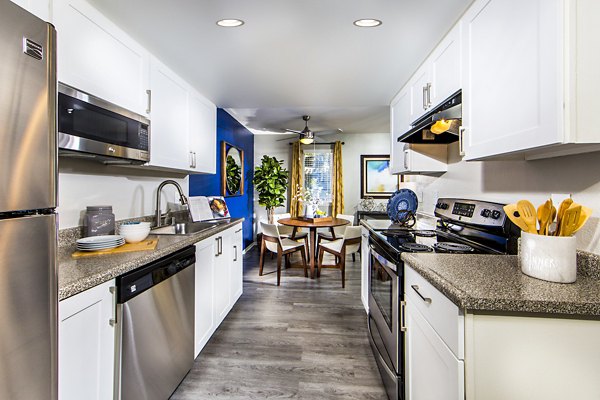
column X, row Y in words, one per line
column 434, row 342
column 364, row 268
column 218, row 281
column 432, row 370
column 86, row 344
column 204, row 321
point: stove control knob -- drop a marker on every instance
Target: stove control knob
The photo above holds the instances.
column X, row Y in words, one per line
column 444, row 206
column 495, row 214
column 485, row 213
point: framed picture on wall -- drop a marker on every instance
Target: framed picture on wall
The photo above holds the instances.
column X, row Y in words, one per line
column 375, row 178
column 232, row 170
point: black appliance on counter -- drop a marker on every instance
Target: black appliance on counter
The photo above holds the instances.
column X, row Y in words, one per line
column 464, row 227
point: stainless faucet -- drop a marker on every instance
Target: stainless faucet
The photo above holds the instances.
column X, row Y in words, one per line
column 182, row 199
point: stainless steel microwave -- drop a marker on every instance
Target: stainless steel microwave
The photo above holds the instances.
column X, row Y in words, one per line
column 92, row 127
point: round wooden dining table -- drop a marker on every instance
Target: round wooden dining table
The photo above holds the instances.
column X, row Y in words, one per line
column 297, row 223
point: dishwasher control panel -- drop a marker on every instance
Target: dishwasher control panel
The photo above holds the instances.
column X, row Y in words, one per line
column 138, row 281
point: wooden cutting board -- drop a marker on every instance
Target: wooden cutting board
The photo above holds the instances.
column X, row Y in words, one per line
column 148, row 244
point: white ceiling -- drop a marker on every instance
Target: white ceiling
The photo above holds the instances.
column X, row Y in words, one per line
column 292, row 57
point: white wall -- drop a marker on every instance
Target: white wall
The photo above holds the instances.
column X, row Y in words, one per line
column 355, row 145
column 130, row 191
column 509, row 181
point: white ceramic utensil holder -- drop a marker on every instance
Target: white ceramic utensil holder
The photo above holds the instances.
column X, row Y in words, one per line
column 550, row 258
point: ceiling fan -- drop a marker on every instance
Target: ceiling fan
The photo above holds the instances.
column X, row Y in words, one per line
column 306, row 136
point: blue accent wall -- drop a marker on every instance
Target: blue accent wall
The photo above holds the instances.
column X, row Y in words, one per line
column 231, row 131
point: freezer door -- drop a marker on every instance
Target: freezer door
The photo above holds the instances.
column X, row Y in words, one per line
column 28, row 150
column 28, row 308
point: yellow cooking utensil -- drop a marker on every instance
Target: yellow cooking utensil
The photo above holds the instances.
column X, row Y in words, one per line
column 586, row 212
column 528, row 214
column 544, row 213
column 441, row 126
column 570, row 220
column 564, row 205
column 513, row 214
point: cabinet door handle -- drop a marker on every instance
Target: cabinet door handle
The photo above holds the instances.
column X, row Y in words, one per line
column 403, row 316
column 220, row 245
column 217, row 253
column 113, row 320
column 191, row 159
column 149, row 100
column 425, row 97
column 194, row 159
column 406, row 155
column 235, row 257
column 425, row 299
column 461, row 141
column 428, row 94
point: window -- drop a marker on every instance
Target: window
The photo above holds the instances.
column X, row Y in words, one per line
column 318, row 170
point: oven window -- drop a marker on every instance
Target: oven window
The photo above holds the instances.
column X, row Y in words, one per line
column 382, row 289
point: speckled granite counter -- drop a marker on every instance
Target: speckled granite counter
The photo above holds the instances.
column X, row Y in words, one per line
column 495, row 283
column 77, row 275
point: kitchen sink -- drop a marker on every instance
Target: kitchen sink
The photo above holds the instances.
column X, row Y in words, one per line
column 184, row 228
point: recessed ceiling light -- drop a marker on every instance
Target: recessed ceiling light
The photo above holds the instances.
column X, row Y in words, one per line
column 367, row 23
column 230, row 23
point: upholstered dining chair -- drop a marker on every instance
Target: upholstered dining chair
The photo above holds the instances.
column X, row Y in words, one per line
column 287, row 231
column 338, row 231
column 284, row 247
column 349, row 244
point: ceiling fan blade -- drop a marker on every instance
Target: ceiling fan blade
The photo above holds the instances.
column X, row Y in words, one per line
column 288, row 139
column 293, row 131
column 328, row 132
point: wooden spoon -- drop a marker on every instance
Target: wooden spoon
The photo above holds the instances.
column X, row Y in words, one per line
column 570, row 220
column 544, row 214
column 529, row 215
column 513, row 214
column 586, row 212
column 564, row 205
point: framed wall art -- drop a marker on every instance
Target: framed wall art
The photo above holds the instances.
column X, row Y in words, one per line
column 232, row 170
column 375, row 178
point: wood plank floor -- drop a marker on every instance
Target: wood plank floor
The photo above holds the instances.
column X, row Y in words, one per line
column 306, row 339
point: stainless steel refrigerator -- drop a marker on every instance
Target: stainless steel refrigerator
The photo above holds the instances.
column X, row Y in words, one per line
column 28, row 235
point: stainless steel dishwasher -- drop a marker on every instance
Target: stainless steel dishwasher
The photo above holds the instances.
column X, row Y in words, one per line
column 155, row 325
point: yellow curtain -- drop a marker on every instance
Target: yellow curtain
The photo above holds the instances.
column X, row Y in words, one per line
column 296, row 179
column 337, row 201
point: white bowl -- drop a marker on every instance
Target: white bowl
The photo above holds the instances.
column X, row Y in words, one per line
column 135, row 236
column 136, row 229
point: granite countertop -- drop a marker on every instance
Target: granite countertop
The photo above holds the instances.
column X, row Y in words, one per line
column 78, row 274
column 495, row 283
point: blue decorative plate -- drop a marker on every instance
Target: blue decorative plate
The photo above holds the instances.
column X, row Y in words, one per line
column 402, row 204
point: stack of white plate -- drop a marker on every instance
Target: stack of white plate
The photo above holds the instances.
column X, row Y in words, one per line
column 104, row 242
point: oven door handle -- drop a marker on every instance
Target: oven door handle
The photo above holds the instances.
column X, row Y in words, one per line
column 384, row 261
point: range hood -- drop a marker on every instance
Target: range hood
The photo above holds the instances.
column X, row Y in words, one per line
column 448, row 112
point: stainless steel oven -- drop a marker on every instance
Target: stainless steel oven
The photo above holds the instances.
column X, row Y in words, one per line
column 386, row 311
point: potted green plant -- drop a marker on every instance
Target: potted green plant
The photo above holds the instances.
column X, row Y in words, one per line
column 270, row 180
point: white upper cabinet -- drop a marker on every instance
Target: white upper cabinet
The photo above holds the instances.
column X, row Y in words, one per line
column 169, row 146
column 513, row 74
column 400, row 119
column 445, row 64
column 438, row 77
column 95, row 56
column 530, row 91
column 419, row 92
column 202, row 134
column 183, row 124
